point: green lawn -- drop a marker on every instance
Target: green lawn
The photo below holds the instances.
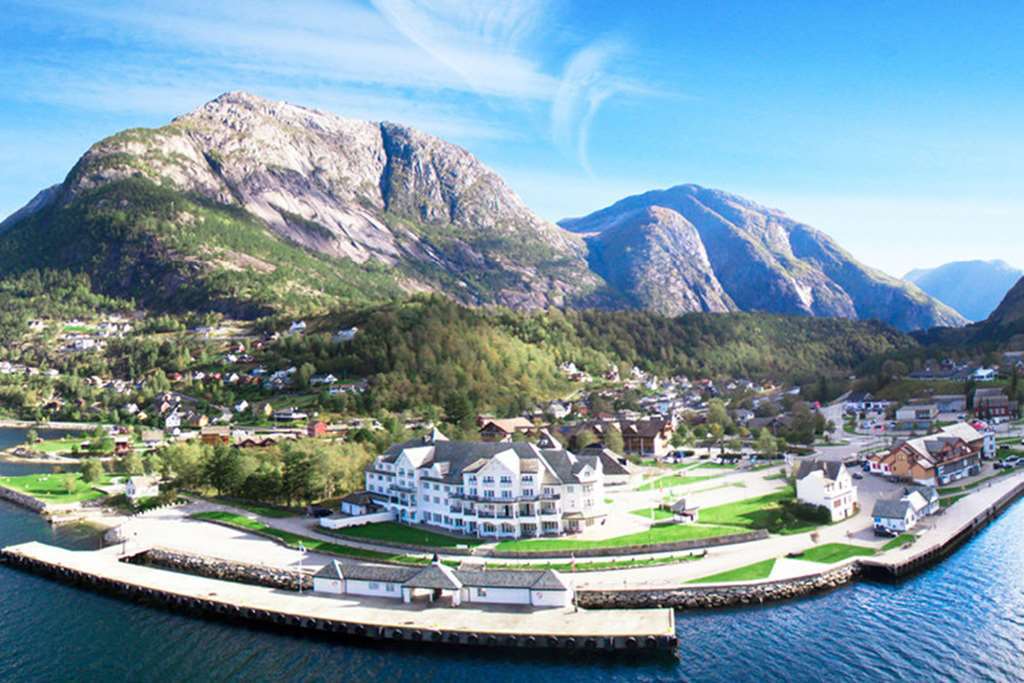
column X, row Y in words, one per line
column 751, row 572
column 52, row 488
column 597, row 566
column 657, row 513
column 293, row 540
column 261, row 510
column 670, row 533
column 671, row 481
column 830, row 553
column 899, row 541
column 762, row 512
column 400, row 533
column 949, row 500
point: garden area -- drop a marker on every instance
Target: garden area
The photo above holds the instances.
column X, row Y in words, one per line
column 830, row 553
column 751, row 572
column 391, row 532
column 778, row 513
column 58, row 488
column 672, row 481
column 670, row 533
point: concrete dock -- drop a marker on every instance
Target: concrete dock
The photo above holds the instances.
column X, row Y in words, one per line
column 949, row 530
column 380, row 619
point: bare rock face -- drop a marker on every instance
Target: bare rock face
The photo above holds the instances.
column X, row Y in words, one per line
column 656, row 257
column 758, row 258
column 355, row 190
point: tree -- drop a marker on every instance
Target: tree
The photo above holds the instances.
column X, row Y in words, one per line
column 31, row 436
column 682, row 437
column 132, row 463
column 223, row 469
column 766, row 444
column 717, row 414
column 613, row 440
column 92, row 471
column 715, row 433
column 585, row 437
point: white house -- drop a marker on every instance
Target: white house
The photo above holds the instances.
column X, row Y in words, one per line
column 489, row 489
column 439, row 583
column 242, row 406
column 137, row 488
column 346, row 335
column 297, row 327
column 983, row 375
column 894, row 516
column 827, row 484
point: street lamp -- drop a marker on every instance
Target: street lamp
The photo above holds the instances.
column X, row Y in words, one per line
column 302, row 553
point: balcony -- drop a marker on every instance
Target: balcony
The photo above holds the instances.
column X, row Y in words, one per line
column 408, row 488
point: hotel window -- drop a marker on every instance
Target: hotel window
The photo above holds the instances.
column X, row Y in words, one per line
column 374, row 586
column 389, row 587
column 481, row 592
column 506, row 494
column 488, row 494
column 488, row 480
column 505, row 479
column 528, row 493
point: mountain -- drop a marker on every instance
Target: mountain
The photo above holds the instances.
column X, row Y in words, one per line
column 252, row 205
column 739, row 255
column 973, row 288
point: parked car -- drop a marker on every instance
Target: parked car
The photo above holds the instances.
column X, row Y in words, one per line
column 857, row 475
column 883, row 531
column 1012, row 462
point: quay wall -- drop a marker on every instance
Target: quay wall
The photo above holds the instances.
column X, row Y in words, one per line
column 211, row 607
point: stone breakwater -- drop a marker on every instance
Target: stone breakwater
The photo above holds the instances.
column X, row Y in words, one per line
column 22, row 499
column 712, row 597
column 226, row 570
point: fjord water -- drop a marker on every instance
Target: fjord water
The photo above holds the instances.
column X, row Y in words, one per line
column 962, row 620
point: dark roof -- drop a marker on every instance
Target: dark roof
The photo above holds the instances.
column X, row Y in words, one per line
column 358, row 498
column 536, row 580
column 930, row 493
column 461, row 456
column 890, row 508
column 435, row 576
column 377, row 572
column 831, row 469
column 331, row 570
column 680, row 507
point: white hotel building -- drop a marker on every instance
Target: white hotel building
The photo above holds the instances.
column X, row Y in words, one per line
column 498, row 490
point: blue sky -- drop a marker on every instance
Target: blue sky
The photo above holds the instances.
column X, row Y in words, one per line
column 896, row 127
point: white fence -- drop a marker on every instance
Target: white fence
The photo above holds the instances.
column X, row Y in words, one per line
column 338, row 522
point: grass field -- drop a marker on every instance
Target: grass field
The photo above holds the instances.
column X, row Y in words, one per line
column 949, row 500
column 669, row 533
column 652, row 513
column 261, row 510
column 671, row 481
column 600, row 565
column 293, row 540
column 899, row 541
column 830, row 553
column 751, row 572
column 762, row 512
column 400, row 533
column 53, row 488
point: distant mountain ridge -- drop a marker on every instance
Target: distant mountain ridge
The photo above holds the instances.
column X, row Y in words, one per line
column 251, row 206
column 689, row 248
column 973, row 288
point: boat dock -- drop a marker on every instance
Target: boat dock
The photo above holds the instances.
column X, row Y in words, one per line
column 345, row 617
column 951, row 529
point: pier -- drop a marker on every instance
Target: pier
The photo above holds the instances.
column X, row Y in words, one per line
column 951, row 529
column 378, row 619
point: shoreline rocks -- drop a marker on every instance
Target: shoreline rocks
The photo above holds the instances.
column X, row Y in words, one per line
column 713, row 597
column 226, row 570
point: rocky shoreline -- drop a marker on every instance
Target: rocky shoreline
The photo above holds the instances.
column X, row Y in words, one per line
column 714, row 597
column 226, row 570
